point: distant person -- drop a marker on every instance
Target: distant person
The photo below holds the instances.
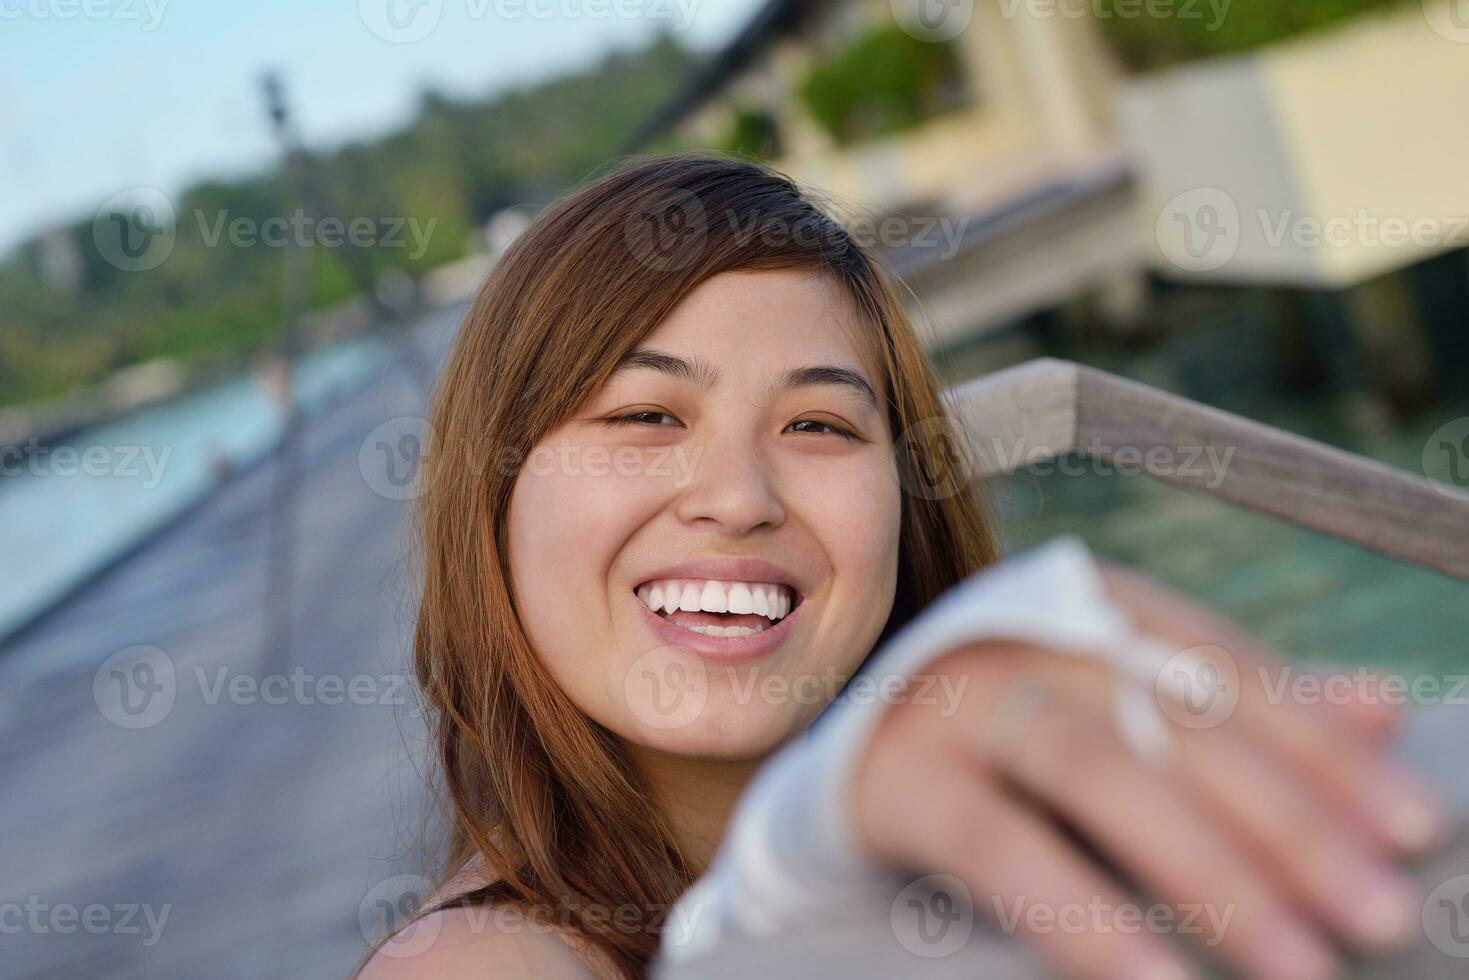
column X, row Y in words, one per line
column 272, row 375
column 685, row 484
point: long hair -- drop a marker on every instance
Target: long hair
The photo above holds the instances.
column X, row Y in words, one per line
column 543, row 796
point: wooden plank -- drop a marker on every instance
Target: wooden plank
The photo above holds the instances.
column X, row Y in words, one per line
column 1024, row 414
column 1044, row 408
column 1306, row 482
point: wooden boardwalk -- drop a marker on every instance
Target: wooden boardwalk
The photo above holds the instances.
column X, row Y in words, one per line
column 256, row 820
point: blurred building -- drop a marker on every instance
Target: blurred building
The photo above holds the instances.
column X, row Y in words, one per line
column 979, row 151
column 1010, row 161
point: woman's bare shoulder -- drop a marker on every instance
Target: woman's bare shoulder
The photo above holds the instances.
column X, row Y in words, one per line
column 481, row 940
column 472, row 942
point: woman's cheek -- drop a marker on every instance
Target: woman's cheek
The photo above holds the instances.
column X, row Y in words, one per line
column 572, row 512
column 855, row 513
column 595, row 492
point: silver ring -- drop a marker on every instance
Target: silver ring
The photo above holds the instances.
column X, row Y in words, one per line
column 1136, row 713
column 1023, row 698
column 1140, row 723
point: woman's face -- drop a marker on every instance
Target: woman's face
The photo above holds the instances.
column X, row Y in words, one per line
column 727, row 492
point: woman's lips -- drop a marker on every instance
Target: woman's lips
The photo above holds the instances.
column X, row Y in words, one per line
column 721, row 649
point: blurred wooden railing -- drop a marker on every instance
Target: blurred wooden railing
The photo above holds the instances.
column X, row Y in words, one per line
column 1044, row 408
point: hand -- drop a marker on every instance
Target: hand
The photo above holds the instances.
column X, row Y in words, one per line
column 1279, row 823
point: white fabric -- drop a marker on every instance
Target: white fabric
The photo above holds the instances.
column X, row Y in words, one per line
column 790, row 851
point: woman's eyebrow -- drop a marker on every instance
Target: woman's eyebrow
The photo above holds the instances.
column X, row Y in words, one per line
column 696, row 372
column 700, row 372
column 826, row 374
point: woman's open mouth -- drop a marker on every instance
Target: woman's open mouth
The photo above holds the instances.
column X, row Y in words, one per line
column 728, row 613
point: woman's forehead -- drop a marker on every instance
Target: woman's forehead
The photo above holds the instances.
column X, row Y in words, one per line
column 758, row 319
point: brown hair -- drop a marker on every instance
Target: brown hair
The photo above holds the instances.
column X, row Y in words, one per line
column 541, row 794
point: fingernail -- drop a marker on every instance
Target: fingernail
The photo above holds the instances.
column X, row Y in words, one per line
column 1413, row 820
column 1294, row 954
column 1156, row 966
column 1383, row 908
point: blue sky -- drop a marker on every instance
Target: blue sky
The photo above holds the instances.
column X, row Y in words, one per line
column 97, row 96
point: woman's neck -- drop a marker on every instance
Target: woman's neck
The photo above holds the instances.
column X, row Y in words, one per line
column 698, row 795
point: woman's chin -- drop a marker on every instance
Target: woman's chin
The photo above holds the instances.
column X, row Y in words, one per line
column 728, row 732
column 670, row 699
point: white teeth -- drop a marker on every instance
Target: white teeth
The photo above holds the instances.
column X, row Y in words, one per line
column 740, row 600
column 774, row 602
column 726, row 630
column 690, row 600
column 714, row 599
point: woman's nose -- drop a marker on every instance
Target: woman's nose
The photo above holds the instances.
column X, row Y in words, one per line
column 732, row 486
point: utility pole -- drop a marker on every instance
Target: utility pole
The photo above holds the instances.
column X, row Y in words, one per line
column 387, row 321
column 280, row 565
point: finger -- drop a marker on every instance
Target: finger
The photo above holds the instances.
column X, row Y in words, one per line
column 1346, row 770
column 1320, row 858
column 1159, row 611
column 1363, row 709
column 1026, row 877
column 1340, row 763
column 1073, row 761
column 1317, row 856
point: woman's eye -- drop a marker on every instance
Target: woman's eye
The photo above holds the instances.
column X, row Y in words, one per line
column 653, row 417
column 641, row 418
column 829, row 427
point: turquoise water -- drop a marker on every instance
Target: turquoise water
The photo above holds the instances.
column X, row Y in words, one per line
column 1311, row 596
column 62, row 520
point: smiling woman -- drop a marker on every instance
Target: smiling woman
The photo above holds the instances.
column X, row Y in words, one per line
column 610, row 646
column 689, row 309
